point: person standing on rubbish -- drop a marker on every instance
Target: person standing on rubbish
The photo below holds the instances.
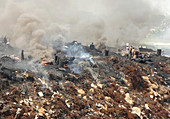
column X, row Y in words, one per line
column 22, row 55
column 127, row 51
column 5, row 40
column 92, row 47
column 133, row 51
column 130, row 51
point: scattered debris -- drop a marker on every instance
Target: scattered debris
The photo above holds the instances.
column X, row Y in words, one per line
column 136, row 110
column 128, row 99
column 116, row 88
column 40, row 94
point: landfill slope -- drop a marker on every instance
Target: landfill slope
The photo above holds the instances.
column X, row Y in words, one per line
column 116, row 88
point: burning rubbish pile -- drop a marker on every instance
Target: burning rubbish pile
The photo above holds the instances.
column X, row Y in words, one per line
column 78, row 85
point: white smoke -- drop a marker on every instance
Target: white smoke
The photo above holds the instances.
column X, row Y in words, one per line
column 35, row 25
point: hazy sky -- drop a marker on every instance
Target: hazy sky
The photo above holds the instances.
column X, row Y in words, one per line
column 35, row 21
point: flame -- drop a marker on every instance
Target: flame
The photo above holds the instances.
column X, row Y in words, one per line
column 44, row 63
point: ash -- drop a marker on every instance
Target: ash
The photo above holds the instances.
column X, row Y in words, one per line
column 81, row 83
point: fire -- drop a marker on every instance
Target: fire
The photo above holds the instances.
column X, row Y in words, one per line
column 44, row 63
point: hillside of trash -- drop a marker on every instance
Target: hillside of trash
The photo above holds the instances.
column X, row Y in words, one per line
column 93, row 86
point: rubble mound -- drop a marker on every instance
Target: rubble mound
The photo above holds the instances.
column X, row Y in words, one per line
column 116, row 88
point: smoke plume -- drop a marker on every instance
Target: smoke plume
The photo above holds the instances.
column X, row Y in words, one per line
column 35, row 25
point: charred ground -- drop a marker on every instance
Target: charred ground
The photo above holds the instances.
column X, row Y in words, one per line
column 116, row 87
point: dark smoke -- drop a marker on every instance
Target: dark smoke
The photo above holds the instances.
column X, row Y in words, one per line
column 36, row 25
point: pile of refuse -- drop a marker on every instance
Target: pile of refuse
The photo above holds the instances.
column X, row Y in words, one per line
column 115, row 88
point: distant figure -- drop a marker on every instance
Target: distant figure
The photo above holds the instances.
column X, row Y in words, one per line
column 22, row 55
column 127, row 51
column 133, row 51
column 92, row 47
column 130, row 51
column 5, row 40
column 106, row 52
column 127, row 48
column 56, row 59
column 137, row 53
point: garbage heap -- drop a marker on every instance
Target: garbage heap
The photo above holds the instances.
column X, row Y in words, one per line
column 116, row 88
